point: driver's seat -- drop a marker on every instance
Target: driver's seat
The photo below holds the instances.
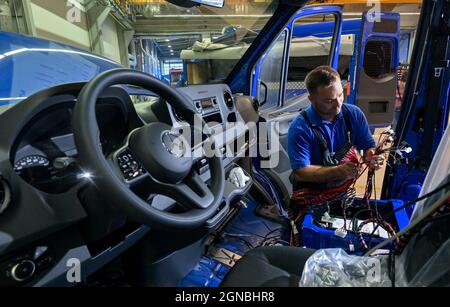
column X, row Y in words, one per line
column 269, row 266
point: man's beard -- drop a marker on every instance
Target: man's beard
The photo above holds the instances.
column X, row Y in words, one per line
column 331, row 112
column 337, row 110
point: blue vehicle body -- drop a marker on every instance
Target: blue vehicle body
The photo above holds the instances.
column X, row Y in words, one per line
column 407, row 181
column 20, row 54
column 425, row 109
column 41, row 64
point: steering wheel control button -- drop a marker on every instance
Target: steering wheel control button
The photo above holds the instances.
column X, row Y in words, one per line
column 23, row 270
column 131, row 169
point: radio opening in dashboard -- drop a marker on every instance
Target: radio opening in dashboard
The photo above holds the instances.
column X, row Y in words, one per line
column 213, row 119
column 207, row 105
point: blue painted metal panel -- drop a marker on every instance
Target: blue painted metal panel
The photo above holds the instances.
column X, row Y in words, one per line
column 207, row 273
column 350, row 99
column 30, row 64
column 245, row 232
column 431, row 52
column 325, row 29
column 316, row 237
column 411, row 192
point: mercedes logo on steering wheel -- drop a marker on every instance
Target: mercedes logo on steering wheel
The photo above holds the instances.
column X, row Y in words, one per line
column 174, row 144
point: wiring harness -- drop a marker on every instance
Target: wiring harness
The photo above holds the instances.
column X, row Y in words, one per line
column 305, row 199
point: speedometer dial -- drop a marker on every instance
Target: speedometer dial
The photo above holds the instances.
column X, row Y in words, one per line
column 30, row 161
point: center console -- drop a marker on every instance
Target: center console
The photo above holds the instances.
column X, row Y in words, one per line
column 216, row 105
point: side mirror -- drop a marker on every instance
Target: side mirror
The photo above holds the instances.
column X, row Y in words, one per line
column 255, row 104
column 262, row 97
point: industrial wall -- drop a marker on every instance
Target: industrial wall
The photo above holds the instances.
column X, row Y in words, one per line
column 111, row 47
column 88, row 25
column 51, row 20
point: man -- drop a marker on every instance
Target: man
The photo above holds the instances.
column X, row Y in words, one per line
column 321, row 135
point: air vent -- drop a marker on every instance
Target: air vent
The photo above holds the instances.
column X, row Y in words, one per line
column 5, row 195
column 228, row 100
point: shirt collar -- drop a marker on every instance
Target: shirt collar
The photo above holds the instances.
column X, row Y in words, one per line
column 317, row 120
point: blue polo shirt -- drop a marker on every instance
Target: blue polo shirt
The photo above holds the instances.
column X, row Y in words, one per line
column 303, row 146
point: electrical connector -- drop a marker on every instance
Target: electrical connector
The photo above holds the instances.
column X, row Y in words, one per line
column 327, row 218
column 351, row 247
column 341, row 232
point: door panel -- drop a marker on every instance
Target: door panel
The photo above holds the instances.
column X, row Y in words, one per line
column 376, row 81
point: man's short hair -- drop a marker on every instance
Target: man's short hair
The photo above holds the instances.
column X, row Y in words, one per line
column 321, row 76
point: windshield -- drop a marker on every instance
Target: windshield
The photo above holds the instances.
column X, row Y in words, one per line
column 201, row 49
column 181, row 46
column 28, row 65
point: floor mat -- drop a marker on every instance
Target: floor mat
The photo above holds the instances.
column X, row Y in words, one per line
column 244, row 232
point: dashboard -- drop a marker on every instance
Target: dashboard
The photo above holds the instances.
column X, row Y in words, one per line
column 214, row 102
column 46, row 154
column 54, row 208
column 216, row 105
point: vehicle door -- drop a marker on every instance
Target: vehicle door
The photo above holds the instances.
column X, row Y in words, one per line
column 376, row 81
column 278, row 79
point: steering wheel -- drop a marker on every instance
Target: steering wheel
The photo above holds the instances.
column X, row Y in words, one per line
column 170, row 173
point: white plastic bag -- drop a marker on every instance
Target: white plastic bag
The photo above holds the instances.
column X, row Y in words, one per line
column 238, row 178
column 335, row 268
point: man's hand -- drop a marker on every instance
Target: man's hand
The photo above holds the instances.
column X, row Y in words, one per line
column 349, row 170
column 374, row 161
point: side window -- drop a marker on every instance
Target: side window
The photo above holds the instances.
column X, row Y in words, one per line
column 270, row 72
column 378, row 59
column 376, row 80
column 311, row 46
